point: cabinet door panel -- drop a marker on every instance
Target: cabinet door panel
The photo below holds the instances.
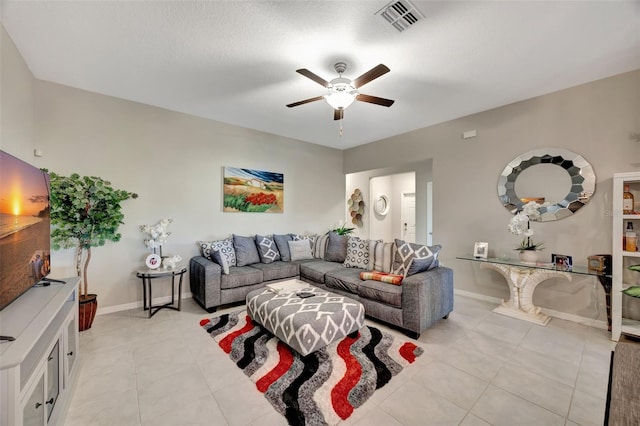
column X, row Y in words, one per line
column 53, row 378
column 71, row 350
column 33, row 410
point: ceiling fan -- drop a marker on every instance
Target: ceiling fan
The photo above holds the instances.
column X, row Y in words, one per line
column 342, row 91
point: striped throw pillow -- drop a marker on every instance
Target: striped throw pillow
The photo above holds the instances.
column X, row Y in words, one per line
column 381, row 276
column 381, row 256
column 320, row 246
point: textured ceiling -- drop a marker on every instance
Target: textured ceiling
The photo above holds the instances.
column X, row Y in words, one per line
column 235, row 61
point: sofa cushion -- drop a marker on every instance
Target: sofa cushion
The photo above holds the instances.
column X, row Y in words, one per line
column 240, row 276
column 246, row 250
column 345, row 279
column 320, row 247
column 382, row 292
column 357, row 253
column 224, row 246
column 406, row 252
column 381, row 256
column 277, row 270
column 300, row 250
column 267, row 248
column 316, row 270
column 336, row 248
column 282, row 242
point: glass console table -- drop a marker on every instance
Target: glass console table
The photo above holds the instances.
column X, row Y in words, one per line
column 523, row 278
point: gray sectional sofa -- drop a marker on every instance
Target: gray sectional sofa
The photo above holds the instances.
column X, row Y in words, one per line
column 422, row 299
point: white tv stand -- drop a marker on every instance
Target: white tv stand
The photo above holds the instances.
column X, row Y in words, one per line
column 38, row 369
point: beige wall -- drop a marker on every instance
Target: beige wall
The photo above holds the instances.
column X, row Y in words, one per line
column 16, row 101
column 174, row 163
column 594, row 120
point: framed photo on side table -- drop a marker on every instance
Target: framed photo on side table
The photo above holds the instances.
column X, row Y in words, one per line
column 153, row 261
column 480, row 250
column 562, row 262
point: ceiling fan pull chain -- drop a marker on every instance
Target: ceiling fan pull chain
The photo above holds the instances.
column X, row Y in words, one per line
column 340, row 127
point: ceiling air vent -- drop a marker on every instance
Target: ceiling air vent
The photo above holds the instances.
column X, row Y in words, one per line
column 400, row 14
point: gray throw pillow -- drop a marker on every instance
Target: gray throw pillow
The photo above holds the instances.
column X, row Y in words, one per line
column 282, row 242
column 300, row 250
column 267, row 249
column 406, row 252
column 419, row 265
column 336, row 248
column 246, row 250
column 217, row 257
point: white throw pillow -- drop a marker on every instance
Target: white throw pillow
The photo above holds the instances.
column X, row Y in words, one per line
column 300, row 250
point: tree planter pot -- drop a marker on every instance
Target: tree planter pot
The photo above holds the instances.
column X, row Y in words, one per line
column 87, row 305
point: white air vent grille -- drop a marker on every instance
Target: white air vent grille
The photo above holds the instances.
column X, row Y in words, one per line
column 400, row 14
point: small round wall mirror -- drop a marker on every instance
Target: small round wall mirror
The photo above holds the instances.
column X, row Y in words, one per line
column 560, row 180
column 381, row 205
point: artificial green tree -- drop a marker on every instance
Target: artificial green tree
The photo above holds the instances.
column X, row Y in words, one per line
column 85, row 213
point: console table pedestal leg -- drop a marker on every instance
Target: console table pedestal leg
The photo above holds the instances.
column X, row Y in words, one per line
column 522, row 282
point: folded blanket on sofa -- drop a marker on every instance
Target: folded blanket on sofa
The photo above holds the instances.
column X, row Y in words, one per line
column 381, row 276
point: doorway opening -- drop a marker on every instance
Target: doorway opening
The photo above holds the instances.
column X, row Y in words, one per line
column 398, row 220
column 382, row 191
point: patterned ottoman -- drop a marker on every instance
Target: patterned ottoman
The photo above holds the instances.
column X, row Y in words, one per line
column 305, row 324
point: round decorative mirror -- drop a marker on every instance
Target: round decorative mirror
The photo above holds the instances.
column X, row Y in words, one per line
column 381, row 205
column 560, row 180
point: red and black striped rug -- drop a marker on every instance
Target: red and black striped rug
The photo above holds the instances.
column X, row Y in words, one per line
column 323, row 387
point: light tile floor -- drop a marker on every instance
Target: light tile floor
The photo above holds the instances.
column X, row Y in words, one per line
column 479, row 368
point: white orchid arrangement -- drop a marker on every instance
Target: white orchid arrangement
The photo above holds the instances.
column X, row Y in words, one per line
column 158, row 234
column 519, row 225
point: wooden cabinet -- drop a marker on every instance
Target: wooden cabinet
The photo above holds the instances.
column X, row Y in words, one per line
column 625, row 310
column 38, row 369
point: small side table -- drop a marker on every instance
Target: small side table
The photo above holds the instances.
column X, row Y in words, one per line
column 149, row 274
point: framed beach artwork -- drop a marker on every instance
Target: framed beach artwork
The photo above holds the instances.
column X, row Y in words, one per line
column 253, row 191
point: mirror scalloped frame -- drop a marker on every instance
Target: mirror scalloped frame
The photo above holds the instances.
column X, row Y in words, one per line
column 583, row 182
column 381, row 205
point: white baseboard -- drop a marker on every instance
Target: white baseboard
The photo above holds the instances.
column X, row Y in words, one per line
column 136, row 305
column 478, row 296
column 552, row 313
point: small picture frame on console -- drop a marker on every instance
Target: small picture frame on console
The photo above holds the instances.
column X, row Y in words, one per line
column 480, row 250
column 562, row 262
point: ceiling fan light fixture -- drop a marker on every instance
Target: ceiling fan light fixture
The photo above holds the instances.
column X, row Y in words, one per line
column 341, row 93
column 340, row 100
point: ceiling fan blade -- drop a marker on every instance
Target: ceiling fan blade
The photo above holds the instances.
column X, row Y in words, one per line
column 372, row 74
column 306, row 101
column 338, row 114
column 321, row 81
column 374, row 100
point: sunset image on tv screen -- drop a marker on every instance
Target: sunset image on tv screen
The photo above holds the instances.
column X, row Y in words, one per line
column 24, row 227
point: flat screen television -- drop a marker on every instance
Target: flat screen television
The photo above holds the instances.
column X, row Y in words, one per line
column 25, row 234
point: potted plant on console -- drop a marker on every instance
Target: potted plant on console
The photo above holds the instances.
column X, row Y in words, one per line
column 85, row 213
column 519, row 225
